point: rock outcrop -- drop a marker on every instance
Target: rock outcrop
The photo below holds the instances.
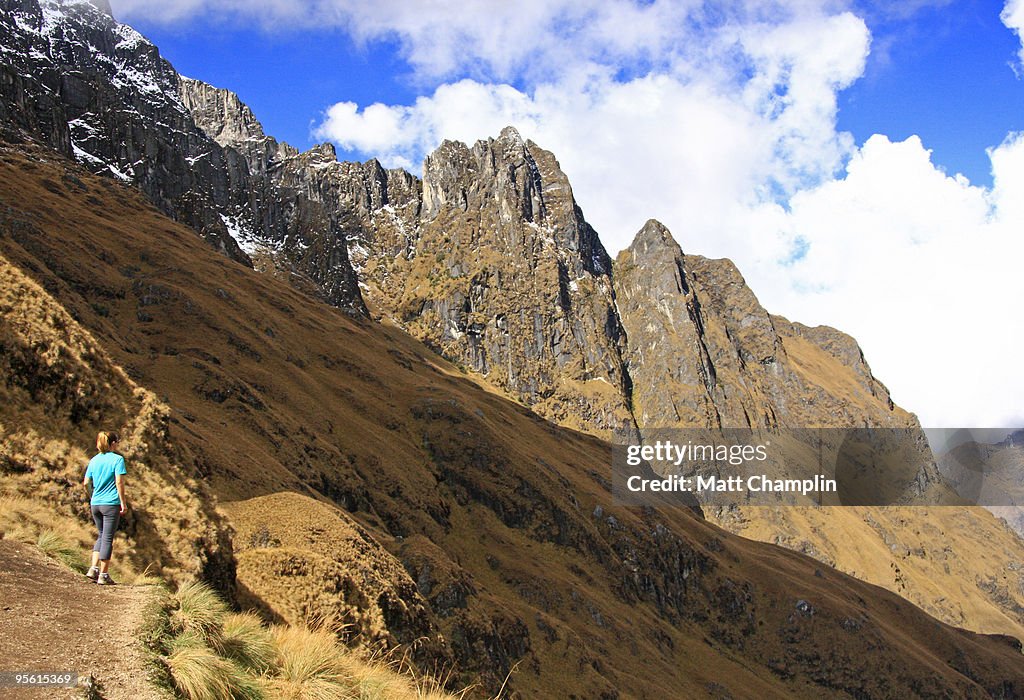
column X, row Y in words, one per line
column 703, row 352
column 298, row 212
column 504, row 276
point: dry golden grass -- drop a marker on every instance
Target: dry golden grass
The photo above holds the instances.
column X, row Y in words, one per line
column 308, row 664
column 200, row 674
column 311, row 666
column 335, row 570
column 55, row 545
column 197, row 610
column 24, row 519
column 62, row 388
column 212, row 654
column 246, row 640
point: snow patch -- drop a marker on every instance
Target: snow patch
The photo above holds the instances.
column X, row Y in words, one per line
column 246, row 238
column 98, row 164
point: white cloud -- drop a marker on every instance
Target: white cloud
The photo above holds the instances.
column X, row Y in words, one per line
column 442, row 37
column 922, row 268
column 719, row 120
column 1013, row 18
column 683, row 143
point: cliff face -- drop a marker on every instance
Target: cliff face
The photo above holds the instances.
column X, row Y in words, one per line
column 703, row 352
column 300, row 204
column 95, row 89
column 504, row 276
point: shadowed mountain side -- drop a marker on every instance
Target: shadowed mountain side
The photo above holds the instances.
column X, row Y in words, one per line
column 991, row 472
column 504, row 521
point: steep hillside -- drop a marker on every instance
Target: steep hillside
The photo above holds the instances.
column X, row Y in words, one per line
column 503, row 521
column 59, row 387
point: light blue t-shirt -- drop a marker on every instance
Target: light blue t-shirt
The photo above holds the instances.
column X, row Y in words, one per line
column 102, row 469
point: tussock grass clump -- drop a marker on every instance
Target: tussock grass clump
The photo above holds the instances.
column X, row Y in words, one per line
column 202, row 651
column 198, row 609
column 245, row 640
column 146, row 578
column 200, row 674
column 309, row 665
column 54, row 545
column 384, row 678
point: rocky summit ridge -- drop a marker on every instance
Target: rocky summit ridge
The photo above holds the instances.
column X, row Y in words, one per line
column 489, row 260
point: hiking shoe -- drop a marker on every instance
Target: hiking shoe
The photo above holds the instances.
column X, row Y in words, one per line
column 105, row 580
column 92, row 574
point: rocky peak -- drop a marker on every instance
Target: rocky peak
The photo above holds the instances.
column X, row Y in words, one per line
column 523, row 183
column 98, row 91
column 703, row 352
column 219, row 113
column 653, row 239
column 501, row 273
column 499, row 169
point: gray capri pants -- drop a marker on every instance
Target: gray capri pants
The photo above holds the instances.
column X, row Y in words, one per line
column 107, row 519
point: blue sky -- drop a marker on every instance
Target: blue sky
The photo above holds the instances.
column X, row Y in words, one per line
column 288, row 78
column 814, row 142
column 945, row 74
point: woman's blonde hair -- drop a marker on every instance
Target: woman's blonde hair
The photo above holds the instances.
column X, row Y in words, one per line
column 104, row 440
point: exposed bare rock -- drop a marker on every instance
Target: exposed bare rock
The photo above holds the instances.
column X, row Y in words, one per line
column 506, row 277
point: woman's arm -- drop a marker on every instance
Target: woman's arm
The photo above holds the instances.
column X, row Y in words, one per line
column 119, row 481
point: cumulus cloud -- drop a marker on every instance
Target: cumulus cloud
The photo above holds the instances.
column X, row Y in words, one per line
column 1013, row 18
column 487, row 38
column 683, row 142
column 720, row 120
column 922, row 268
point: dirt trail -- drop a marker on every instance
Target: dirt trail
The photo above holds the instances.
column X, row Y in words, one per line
column 53, row 619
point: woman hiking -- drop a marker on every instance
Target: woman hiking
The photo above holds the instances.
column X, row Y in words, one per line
column 106, row 472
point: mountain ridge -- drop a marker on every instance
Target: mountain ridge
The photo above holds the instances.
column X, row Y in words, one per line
column 503, row 520
column 489, row 261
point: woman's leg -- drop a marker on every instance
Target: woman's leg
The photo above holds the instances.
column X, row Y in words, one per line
column 111, row 517
column 97, row 518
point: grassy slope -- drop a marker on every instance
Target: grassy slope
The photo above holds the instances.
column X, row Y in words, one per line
column 59, row 387
column 272, row 391
column 961, row 564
